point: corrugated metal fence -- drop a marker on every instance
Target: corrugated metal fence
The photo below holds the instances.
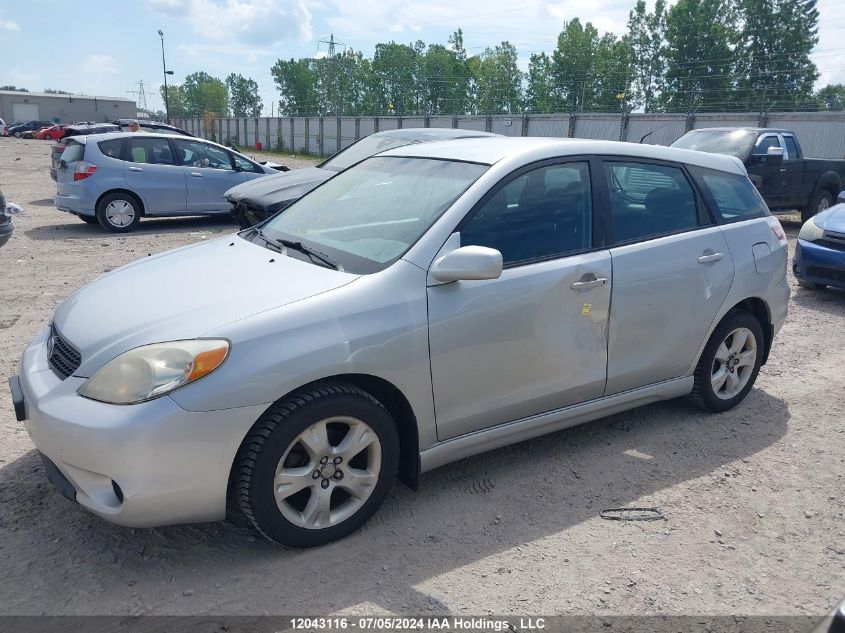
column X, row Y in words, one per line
column 822, row 134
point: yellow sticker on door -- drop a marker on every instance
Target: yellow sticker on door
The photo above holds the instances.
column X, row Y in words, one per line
column 586, row 309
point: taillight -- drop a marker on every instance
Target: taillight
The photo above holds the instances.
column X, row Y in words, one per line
column 84, row 170
column 777, row 229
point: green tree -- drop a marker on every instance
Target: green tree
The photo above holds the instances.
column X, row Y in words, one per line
column 832, row 98
column 646, row 32
column 613, row 74
column 540, row 94
column 14, row 88
column 498, row 80
column 572, row 64
column 396, row 75
column 296, row 81
column 774, row 69
column 444, row 80
column 699, row 53
column 342, row 83
column 176, row 102
column 244, row 99
column 204, row 93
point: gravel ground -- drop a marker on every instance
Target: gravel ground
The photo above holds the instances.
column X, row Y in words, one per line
column 753, row 498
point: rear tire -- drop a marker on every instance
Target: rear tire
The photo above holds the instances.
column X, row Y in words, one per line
column 317, row 465
column 729, row 363
column 810, row 285
column 118, row 212
column 820, row 201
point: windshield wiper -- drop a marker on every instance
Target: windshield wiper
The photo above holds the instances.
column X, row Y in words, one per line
column 267, row 240
column 307, row 250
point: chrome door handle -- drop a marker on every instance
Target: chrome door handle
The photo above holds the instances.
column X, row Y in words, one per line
column 712, row 257
column 591, row 283
column 135, row 169
column 196, row 174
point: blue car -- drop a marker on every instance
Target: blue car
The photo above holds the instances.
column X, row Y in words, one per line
column 820, row 253
column 115, row 179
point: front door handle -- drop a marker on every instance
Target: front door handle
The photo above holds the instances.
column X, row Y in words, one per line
column 135, row 169
column 587, row 282
column 196, row 174
column 710, row 257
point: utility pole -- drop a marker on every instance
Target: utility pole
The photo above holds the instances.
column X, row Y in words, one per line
column 166, row 72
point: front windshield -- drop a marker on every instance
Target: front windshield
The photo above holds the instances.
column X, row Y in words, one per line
column 368, row 216
column 366, row 147
column 732, row 142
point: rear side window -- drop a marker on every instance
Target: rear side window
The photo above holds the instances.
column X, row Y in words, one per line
column 732, row 197
column 649, row 200
column 111, row 148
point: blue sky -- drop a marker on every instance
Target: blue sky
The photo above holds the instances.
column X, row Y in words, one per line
column 119, row 44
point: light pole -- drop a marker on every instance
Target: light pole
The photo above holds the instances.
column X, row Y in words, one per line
column 166, row 72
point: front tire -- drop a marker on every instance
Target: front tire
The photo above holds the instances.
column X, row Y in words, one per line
column 729, row 363
column 118, row 213
column 820, row 201
column 317, row 465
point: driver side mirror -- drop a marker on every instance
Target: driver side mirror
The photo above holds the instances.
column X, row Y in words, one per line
column 774, row 156
column 468, row 263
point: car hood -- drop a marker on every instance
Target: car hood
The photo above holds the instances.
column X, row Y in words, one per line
column 288, row 185
column 183, row 294
column 832, row 219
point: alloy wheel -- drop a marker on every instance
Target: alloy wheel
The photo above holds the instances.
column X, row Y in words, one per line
column 328, row 472
column 734, row 363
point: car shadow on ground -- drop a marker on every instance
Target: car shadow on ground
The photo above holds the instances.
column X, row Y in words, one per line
column 463, row 512
column 44, row 202
column 147, row 226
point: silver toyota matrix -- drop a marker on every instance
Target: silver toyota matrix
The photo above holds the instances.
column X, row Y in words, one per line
column 429, row 303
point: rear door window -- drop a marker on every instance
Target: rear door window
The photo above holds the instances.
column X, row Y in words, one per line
column 791, row 148
column 732, row 197
column 153, row 151
column 648, row 200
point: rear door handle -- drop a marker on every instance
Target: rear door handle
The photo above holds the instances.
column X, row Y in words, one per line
column 135, row 169
column 711, row 257
column 589, row 283
column 196, row 174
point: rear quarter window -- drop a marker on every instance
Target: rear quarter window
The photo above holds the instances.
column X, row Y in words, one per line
column 112, row 148
column 733, row 198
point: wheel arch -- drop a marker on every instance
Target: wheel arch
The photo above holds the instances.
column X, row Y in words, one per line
column 829, row 181
column 760, row 310
column 393, row 400
column 128, row 192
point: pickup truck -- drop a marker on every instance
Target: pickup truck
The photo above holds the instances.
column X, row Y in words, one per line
column 776, row 165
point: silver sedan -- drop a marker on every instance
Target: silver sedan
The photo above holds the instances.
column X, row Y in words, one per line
column 427, row 304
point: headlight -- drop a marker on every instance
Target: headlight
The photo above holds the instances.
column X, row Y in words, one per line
column 151, row 371
column 810, row 232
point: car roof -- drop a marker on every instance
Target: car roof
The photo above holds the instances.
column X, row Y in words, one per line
column 492, row 150
column 757, row 130
column 426, row 134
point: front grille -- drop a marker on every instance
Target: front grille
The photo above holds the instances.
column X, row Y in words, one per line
column 833, row 240
column 831, row 274
column 63, row 357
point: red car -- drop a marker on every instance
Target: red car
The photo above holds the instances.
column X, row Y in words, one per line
column 53, row 133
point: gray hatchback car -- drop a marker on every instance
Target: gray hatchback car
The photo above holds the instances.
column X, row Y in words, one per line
column 117, row 178
column 429, row 303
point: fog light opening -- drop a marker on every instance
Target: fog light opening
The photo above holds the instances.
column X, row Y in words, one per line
column 117, row 491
